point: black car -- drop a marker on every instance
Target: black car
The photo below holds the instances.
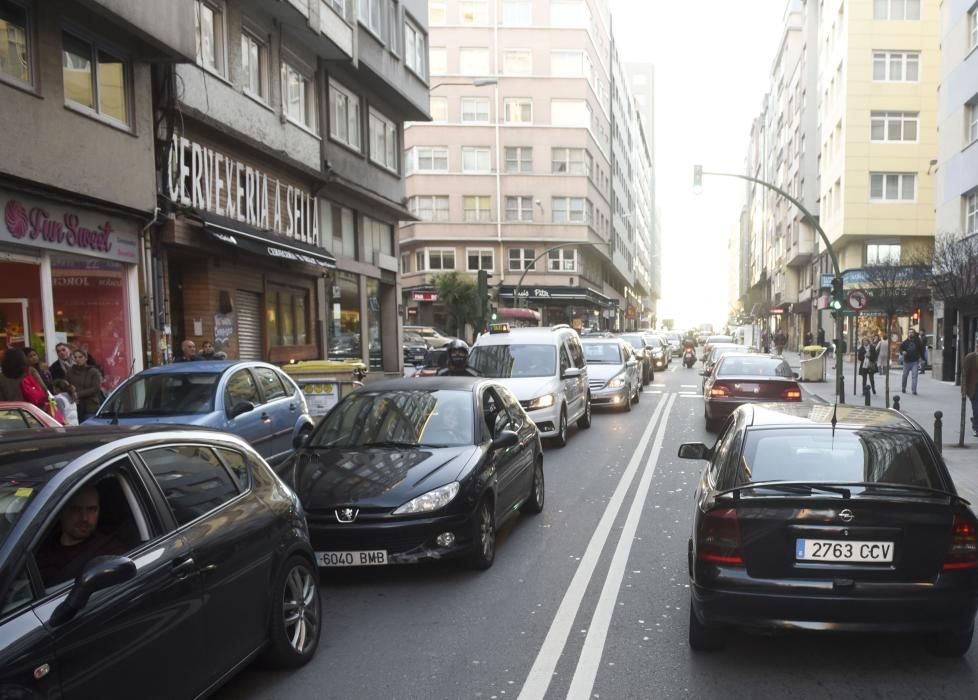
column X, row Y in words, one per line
column 840, row 518
column 415, row 349
column 149, row 563
column 643, row 353
column 400, row 471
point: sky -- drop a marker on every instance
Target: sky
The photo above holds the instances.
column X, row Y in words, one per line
column 712, row 69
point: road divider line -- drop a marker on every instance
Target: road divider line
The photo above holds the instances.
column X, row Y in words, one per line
column 538, row 680
column 590, row 660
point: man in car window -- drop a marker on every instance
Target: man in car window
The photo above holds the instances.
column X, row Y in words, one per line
column 64, row 554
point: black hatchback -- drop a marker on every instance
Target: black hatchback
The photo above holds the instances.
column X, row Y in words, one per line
column 816, row 517
column 146, row 563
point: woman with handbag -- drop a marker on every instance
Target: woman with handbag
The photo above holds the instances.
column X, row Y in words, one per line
column 87, row 381
column 868, row 357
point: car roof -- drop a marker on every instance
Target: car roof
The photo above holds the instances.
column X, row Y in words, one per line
column 793, row 415
column 202, row 367
column 544, row 335
column 600, row 339
column 443, row 383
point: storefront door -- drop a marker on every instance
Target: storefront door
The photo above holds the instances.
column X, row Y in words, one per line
column 250, row 344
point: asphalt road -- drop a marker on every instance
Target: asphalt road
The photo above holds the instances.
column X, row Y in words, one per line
column 587, row 599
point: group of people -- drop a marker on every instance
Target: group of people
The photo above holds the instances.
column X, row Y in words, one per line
column 70, row 389
column 780, row 342
column 188, row 352
column 874, row 353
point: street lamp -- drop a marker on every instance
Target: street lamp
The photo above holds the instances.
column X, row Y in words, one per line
column 519, row 283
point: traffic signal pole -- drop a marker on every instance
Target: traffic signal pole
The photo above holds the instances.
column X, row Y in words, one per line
column 840, row 389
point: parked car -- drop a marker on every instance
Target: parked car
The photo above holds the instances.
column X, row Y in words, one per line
column 544, row 368
column 19, row 415
column 402, row 471
column 192, row 557
column 661, row 351
column 741, row 378
column 434, row 337
column 829, row 518
column 415, row 348
column 643, row 351
column 613, row 372
column 254, row 400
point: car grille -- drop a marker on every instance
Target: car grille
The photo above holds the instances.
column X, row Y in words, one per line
column 596, row 384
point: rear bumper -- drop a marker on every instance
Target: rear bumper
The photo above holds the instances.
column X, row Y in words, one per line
column 719, row 409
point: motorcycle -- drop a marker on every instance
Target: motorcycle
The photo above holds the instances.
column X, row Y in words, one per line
column 689, row 357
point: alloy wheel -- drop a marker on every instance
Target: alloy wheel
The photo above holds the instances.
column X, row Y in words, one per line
column 300, row 609
column 487, row 531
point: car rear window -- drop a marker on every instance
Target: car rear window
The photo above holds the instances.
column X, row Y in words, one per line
column 851, row 456
column 758, row 366
column 602, row 353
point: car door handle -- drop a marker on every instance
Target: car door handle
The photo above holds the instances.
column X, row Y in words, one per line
column 265, row 418
column 183, row 569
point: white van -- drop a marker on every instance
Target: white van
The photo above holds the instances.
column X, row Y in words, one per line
column 544, row 368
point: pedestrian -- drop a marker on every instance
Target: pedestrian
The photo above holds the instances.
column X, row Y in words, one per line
column 868, row 358
column 821, row 337
column 59, row 370
column 969, row 386
column 207, row 352
column 765, row 342
column 13, row 369
column 67, row 400
column 809, row 339
column 780, row 340
column 87, row 381
column 911, row 352
column 34, row 362
column 188, row 351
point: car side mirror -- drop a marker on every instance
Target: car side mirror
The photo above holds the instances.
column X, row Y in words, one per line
column 694, row 450
column 98, row 574
column 240, row 408
column 301, row 439
column 505, row 440
column 795, row 375
column 571, row 373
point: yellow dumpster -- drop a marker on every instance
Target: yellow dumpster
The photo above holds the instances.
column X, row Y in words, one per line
column 325, row 382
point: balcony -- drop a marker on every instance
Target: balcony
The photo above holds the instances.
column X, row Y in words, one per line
column 801, row 252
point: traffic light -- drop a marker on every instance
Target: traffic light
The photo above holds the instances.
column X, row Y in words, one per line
column 838, row 295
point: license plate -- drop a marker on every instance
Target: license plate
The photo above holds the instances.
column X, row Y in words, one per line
column 846, row 551
column 375, row 557
column 748, row 388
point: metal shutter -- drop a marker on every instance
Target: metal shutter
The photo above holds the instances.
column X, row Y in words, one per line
column 250, row 343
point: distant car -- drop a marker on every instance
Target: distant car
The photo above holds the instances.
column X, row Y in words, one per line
column 743, row 378
column 829, row 518
column 714, row 340
column 717, row 351
column 613, row 372
column 401, row 471
column 18, row 415
column 643, row 351
column 675, row 341
column 194, row 559
column 415, row 348
column 661, row 351
column 434, row 337
column 253, row 400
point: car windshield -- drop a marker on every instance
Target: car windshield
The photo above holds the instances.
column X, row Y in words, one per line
column 634, row 340
column 415, row 418
column 169, row 394
column 602, row 353
column 757, row 366
column 837, row 456
column 513, row 361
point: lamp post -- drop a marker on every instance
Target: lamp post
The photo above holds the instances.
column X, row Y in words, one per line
column 519, row 282
column 698, row 174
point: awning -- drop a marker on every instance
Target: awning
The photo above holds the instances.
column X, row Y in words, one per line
column 244, row 237
column 521, row 314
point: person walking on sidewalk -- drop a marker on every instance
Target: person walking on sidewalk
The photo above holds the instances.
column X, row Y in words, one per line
column 780, row 340
column 969, row 386
column 868, row 356
column 911, row 350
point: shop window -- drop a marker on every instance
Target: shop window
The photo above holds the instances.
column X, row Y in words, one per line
column 95, row 80
column 338, row 225
column 374, row 328
column 15, row 44
column 287, row 316
column 344, row 318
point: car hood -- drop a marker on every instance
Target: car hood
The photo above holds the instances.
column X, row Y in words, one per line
column 201, row 419
column 604, row 372
column 376, row 477
column 526, row 388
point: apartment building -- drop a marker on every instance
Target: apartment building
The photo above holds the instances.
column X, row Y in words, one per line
column 535, row 152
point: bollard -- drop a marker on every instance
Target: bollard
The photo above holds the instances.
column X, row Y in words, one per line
column 866, row 397
column 896, row 403
column 939, row 431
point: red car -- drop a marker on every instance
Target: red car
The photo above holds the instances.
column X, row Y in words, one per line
column 18, row 415
column 740, row 378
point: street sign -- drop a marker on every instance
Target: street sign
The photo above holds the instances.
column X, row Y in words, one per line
column 857, row 300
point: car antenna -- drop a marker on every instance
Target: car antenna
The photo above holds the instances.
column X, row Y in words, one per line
column 835, row 409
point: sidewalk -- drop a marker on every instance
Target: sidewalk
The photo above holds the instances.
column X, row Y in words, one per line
column 932, row 395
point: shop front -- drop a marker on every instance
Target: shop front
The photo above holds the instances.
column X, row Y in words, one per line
column 68, row 275
column 578, row 307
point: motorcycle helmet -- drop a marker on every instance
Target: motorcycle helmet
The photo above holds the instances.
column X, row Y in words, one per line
column 458, row 354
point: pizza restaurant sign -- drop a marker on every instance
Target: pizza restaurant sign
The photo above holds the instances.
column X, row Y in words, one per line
column 205, row 179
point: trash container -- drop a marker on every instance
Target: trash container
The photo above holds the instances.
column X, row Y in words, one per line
column 812, row 363
column 325, row 382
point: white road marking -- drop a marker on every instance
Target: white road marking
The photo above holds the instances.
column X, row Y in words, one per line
column 597, row 634
column 538, row 680
column 687, row 386
column 655, row 391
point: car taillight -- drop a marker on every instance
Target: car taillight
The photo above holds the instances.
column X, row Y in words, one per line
column 962, row 553
column 791, row 394
column 719, row 390
column 718, row 540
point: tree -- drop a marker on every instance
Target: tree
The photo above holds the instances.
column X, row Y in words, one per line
column 461, row 300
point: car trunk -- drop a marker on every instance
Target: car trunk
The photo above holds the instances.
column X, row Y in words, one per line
column 757, row 388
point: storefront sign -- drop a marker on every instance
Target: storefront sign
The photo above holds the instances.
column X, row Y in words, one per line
column 223, row 329
column 50, row 225
column 424, row 296
column 205, row 179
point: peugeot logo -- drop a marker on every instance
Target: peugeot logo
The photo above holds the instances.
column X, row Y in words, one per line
column 845, row 516
column 346, row 515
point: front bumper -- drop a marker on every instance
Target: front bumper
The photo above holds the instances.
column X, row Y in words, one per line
column 610, row 397
column 546, row 419
column 660, row 362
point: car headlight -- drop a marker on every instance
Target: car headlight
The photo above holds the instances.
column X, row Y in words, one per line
column 433, row 500
column 617, row 382
column 545, row 401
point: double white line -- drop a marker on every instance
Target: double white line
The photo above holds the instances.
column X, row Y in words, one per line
column 538, row 680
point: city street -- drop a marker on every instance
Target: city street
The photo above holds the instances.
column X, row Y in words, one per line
column 588, row 599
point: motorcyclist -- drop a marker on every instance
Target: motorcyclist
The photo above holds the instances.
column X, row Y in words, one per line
column 458, row 361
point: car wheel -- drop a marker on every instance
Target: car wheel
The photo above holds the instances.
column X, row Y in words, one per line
column 628, row 404
column 534, row 502
column 701, row 637
column 954, row 644
column 560, row 439
column 638, row 394
column 484, row 536
column 584, row 422
column 296, row 615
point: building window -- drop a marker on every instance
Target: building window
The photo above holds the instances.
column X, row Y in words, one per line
column 972, row 122
column 344, row 317
column 896, row 66
column 344, row 115
column 405, row 263
column 475, row 160
column 517, row 13
column 428, row 159
column 517, row 62
column 570, row 64
column 882, row 253
column 438, row 106
column 562, row 260
column 475, row 110
column 894, row 126
column 518, row 110
column 383, row 141
column 338, row 6
column 892, row 187
column 971, row 213
column 896, row 9
column 437, row 13
column 478, row 259
column 973, row 28
column 429, row 207
column 568, row 210
column 569, row 13
column 299, row 97
column 473, row 61
column 570, row 113
column 95, row 80
column 473, row 12
column 519, row 209
column 15, row 45
column 570, row 161
column 287, row 316
column 519, row 159
column 254, row 65
column 521, row 259
column 438, row 60
column 476, row 207
column 339, row 228
column 209, row 27
column 378, row 237
column 435, row 259
column 415, row 48
column 371, row 15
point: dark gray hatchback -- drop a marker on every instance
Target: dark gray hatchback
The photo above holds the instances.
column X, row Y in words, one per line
column 840, row 518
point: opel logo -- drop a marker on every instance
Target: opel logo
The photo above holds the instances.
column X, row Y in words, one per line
column 346, row 515
column 845, row 515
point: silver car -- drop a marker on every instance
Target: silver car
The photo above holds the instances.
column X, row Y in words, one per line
column 614, row 372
